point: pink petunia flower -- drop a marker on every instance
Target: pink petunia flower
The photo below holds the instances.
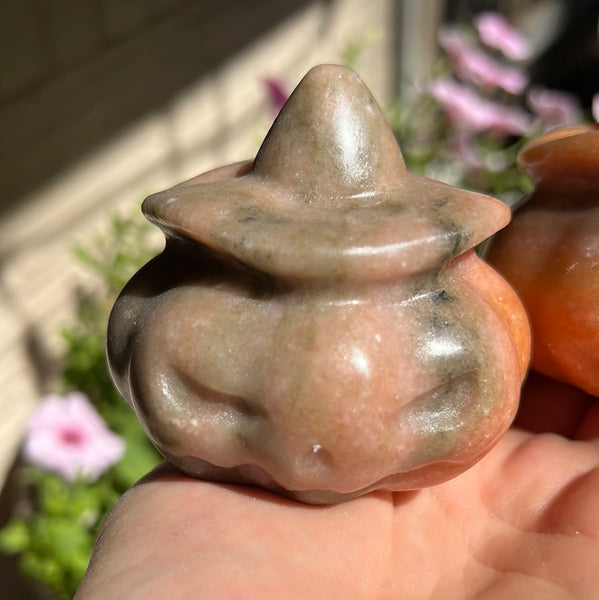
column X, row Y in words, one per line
column 496, row 32
column 595, row 107
column 473, row 65
column 555, row 108
column 66, row 435
column 471, row 112
column 277, row 95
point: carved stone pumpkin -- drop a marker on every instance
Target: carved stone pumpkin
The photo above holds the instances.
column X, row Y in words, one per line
column 318, row 323
column 550, row 254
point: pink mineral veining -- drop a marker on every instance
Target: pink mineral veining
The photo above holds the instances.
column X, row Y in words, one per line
column 318, row 323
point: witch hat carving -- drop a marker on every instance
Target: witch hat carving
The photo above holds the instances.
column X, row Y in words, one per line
column 328, row 196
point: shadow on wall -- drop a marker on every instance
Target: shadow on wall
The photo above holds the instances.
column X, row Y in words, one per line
column 78, row 71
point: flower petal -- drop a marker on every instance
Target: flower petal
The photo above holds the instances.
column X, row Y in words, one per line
column 555, row 108
column 470, row 111
column 496, row 32
column 473, row 65
column 89, row 450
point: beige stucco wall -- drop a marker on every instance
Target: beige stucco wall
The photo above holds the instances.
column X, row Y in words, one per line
column 218, row 118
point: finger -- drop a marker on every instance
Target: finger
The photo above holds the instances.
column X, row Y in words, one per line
column 173, row 536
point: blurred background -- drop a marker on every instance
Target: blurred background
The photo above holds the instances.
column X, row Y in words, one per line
column 105, row 101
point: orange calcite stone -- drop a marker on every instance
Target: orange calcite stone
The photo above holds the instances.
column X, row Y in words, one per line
column 550, row 254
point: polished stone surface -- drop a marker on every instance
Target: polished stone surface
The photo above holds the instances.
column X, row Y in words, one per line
column 319, row 323
column 550, row 254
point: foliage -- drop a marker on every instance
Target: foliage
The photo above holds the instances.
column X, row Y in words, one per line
column 466, row 124
column 55, row 534
column 424, row 134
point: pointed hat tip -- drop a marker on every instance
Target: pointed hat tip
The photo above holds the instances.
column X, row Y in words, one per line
column 331, row 139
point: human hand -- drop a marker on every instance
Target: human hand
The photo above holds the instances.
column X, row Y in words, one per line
column 522, row 523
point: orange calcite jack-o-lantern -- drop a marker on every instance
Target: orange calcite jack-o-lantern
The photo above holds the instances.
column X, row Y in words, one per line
column 318, row 323
column 550, row 254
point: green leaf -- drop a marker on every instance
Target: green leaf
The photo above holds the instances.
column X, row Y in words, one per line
column 15, row 537
column 71, row 544
column 43, row 568
column 53, row 495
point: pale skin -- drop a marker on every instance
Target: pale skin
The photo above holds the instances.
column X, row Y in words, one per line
column 522, row 523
